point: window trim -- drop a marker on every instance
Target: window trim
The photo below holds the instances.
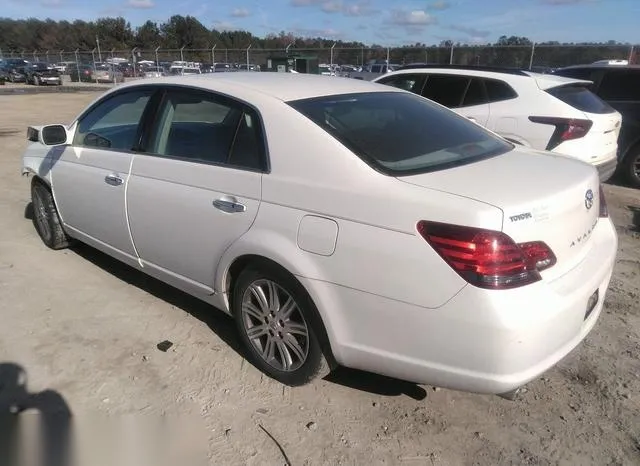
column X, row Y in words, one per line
column 148, row 121
column 106, row 98
column 243, row 106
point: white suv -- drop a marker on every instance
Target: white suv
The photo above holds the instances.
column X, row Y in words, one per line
column 541, row 111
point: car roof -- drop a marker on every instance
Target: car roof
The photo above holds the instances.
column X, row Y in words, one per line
column 281, row 86
column 606, row 66
column 544, row 81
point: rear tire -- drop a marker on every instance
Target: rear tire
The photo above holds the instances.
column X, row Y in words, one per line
column 631, row 167
column 280, row 335
column 45, row 217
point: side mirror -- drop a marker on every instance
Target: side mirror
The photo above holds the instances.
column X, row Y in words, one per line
column 53, row 135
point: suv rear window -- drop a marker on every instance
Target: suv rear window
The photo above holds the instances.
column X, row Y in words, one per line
column 621, row 85
column 371, row 124
column 580, row 97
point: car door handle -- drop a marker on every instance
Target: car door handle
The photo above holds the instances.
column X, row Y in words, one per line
column 113, row 180
column 229, row 204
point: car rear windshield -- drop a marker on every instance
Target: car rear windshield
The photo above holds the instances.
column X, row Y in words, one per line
column 580, row 97
column 401, row 133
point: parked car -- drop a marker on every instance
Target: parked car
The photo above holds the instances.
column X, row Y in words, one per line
column 456, row 258
column 249, row 67
column 40, row 73
column 14, row 69
column 81, row 73
column 154, row 72
column 540, row 111
column 619, row 86
column 221, row 67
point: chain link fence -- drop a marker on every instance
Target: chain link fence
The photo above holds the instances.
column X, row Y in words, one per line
column 527, row 57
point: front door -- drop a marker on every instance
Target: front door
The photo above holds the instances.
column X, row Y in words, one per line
column 90, row 179
column 197, row 187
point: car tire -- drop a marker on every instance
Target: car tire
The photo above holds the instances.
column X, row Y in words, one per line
column 280, row 336
column 631, row 166
column 45, row 217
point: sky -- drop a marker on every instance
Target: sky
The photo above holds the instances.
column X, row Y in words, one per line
column 384, row 22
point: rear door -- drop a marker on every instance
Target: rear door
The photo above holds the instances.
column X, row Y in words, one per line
column 197, row 187
column 451, row 91
column 475, row 103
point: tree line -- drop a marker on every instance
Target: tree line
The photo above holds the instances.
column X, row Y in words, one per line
column 17, row 35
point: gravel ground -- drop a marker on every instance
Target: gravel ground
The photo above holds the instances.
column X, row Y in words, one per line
column 86, row 327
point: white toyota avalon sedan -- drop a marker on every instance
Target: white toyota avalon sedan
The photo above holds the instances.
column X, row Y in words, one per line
column 338, row 221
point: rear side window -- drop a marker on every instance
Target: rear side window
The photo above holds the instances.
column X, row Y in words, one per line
column 475, row 94
column 447, row 90
column 582, row 98
column 498, row 91
column 203, row 127
column 372, row 124
column 621, row 85
column 408, row 82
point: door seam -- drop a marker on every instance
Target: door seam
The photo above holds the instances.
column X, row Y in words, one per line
column 126, row 211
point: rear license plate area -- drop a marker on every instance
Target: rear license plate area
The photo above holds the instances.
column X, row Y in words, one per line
column 592, row 303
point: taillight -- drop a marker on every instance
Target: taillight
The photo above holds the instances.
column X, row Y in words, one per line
column 486, row 258
column 604, row 210
column 566, row 129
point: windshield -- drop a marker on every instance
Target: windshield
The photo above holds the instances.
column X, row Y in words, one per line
column 401, row 133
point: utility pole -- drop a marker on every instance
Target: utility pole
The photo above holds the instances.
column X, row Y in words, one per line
column 98, row 45
column 331, row 59
column 451, row 56
column 248, row 48
column 533, row 50
column 157, row 61
column 213, row 56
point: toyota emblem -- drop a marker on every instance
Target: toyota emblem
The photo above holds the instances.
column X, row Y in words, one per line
column 588, row 199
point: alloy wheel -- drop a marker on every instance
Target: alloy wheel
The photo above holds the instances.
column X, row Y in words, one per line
column 275, row 326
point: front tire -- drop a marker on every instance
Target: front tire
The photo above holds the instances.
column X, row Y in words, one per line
column 278, row 326
column 45, row 217
column 631, row 164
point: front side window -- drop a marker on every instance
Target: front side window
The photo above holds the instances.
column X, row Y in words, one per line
column 113, row 123
column 447, row 90
column 202, row 127
column 408, row 82
column 372, row 124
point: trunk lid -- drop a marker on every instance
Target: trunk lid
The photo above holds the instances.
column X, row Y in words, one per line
column 543, row 196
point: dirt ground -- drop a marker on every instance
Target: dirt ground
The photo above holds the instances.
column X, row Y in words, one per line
column 86, row 327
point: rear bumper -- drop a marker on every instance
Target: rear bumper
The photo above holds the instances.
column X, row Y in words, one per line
column 480, row 341
column 607, row 169
column 50, row 79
